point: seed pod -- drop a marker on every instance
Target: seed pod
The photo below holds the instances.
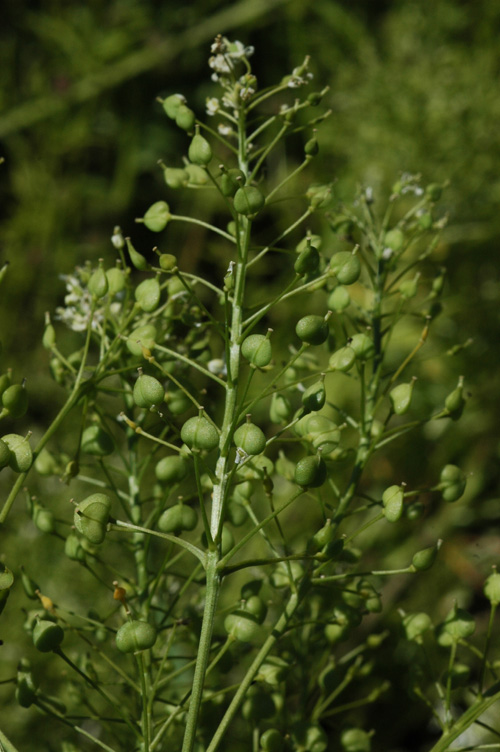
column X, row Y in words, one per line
column 310, row 472
column 309, row 736
column 98, row 283
column 400, row 397
column 148, row 293
column 230, row 181
column 136, row 258
column 200, row 151
column 196, row 174
column 175, row 177
column 312, row 329
column 394, row 239
column 178, row 401
column 257, row 350
column 134, row 636
column 4, row 454
column 243, row 627
column 49, row 334
column 91, row 517
column 199, row 434
column 4, row 382
column 311, row 147
column 167, row 261
column 392, row 500
column 408, row 287
column 258, row 704
column 346, row 267
column 492, row 588
column 148, row 391
column 43, row 519
column 143, row 336
column 73, row 548
column 272, row 741
column 171, row 469
column 172, row 103
column 185, row 118
column 319, row 196
column 458, row 625
column 425, row 558
column 236, row 513
column 248, row 200
column 157, row 216
column 280, row 410
column 339, row 299
column 21, row 456
column 15, row 401
column 355, row 740
column 308, row 260
column 363, row 346
column 343, row 359
column 96, row 441
column 415, row 625
column 455, row 402
column 26, row 689
column 250, row 438
column 178, row 518
column 452, row 482
column 433, row 192
column 47, row 636
column 324, row 536
column 116, row 281
column 314, row 397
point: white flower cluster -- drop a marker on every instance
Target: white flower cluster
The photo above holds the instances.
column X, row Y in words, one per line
column 224, row 53
column 78, row 303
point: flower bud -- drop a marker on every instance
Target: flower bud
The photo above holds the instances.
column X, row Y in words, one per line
column 134, row 636
column 310, row 472
column 200, row 151
column 458, row 625
column 157, row 216
column 199, row 433
column 147, row 294
column 178, row 518
column 272, row 741
column 250, row 438
column 346, row 267
column 91, row 517
column 311, row 147
column 148, row 391
column 312, row 329
column 256, row 348
column 248, row 200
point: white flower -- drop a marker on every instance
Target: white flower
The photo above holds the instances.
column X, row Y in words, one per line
column 219, row 64
column 225, row 130
column 213, row 105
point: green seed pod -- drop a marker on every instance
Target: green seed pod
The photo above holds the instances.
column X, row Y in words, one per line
column 346, row 267
column 310, row 472
column 4, row 382
column 15, row 401
column 199, row 434
column 455, row 402
column 143, row 336
column 309, row 736
column 171, row 469
column 280, row 410
column 134, row 636
column 157, row 216
column 258, row 704
column 324, row 536
column 280, row 576
column 415, row 625
column 243, row 627
column 424, row 220
column 339, row 299
column 248, row 200
column 458, row 676
column 314, row 398
column 49, row 334
column 415, row 511
column 177, row 519
column 308, row 261
column 400, row 397
column 425, row 558
column 4, row 454
column 98, row 283
column 148, row 293
column 311, row 147
column 236, row 513
column 184, row 117
column 43, row 519
column 319, row 196
column 73, row 548
column 343, row 359
column 172, row 103
column 273, row 671
column 21, row 456
column 96, row 441
column 168, row 262
column 314, row 240
column 116, row 281
column 231, row 181
column 392, row 500
column 453, row 482
column 175, row 177
column 355, row 740
column 26, row 689
column 47, row 636
column 30, row 587
column 178, row 401
column 148, row 391
column 272, row 741
column 408, row 287
column 394, row 239
column 492, row 588
column 312, row 329
column 255, row 606
column 196, row 175
column 250, row 438
column 244, row 490
column 136, row 258
column 433, row 192
column 91, row 517
column 363, row 346
column 257, row 350
column 458, row 625
column 200, row 151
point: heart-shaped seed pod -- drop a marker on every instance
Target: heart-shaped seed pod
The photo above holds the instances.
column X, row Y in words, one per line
column 452, row 482
column 4, row 454
column 21, row 456
column 415, row 625
column 324, row 536
column 148, row 391
column 280, row 410
column 26, row 688
column 339, row 299
column 314, row 397
column 355, row 740
column 492, row 588
column 363, row 346
column 392, row 500
column 311, row 147
column 47, row 636
column 5, row 382
column 167, row 262
column 400, row 397
column 312, row 329
column 346, row 267
column 199, row 433
column 15, row 401
column 250, row 438
column 243, row 627
column 255, row 606
column 98, row 283
column 280, row 576
column 178, row 401
column 143, row 336
column 116, row 281
column 425, row 558
column 408, row 287
column 248, row 200
column 458, row 625
column 73, row 548
column 147, row 294
column 308, row 261
column 272, row 741
column 134, row 636
column 196, row 175
column 175, row 177
column 322, row 432
column 43, row 519
column 310, row 472
column 91, row 517
column 177, row 519
column 171, row 105
column 184, row 117
column 97, row 442
column 157, row 216
column 231, row 181
column 343, row 359
column 171, row 469
column 394, row 239
column 200, row 151
column 455, row 402
column 256, row 348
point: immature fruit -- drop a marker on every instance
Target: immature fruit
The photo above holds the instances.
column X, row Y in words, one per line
column 148, row 293
column 96, row 441
column 346, row 267
column 343, row 359
column 157, row 216
column 175, row 177
column 21, row 456
column 392, row 500
column 4, row 454
column 200, row 151
column 453, row 482
column 178, row 518
column 250, row 438
column 415, row 625
column 236, row 513
column 178, row 401
column 171, row 469
column 47, row 636
column 43, row 519
column 196, row 175
column 425, row 558
column 136, row 258
column 167, row 262
column 400, row 397
column 199, row 434
column 312, row 329
column 143, row 336
column 408, row 287
column 310, row 472
column 98, row 283
column 171, row 104
column 116, row 281
column 314, row 397
column 91, row 517
column 355, row 740
column 433, row 191
column 363, row 346
column 231, row 181
column 308, row 261
column 15, row 400
column 248, row 200
column 339, row 299
column 258, row 704
column 73, row 548
column 26, row 688
column 309, row 736
column 257, row 350
column 184, row 117
column 455, row 402
column 134, row 636
column 458, row 625
column 280, row 410
column 492, row 588
column 394, row 239
column 148, row 391
column 243, row 627
column 272, row 741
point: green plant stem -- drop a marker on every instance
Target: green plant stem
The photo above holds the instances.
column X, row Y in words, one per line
column 486, row 647
column 466, row 720
column 6, row 744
